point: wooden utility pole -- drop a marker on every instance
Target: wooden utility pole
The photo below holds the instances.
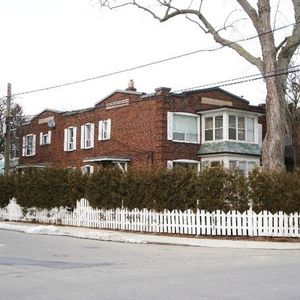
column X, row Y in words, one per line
column 7, row 131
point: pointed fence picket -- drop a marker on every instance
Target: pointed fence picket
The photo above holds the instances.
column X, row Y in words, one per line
column 189, row 222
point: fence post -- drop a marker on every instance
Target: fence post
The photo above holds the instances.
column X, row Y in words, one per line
column 250, row 221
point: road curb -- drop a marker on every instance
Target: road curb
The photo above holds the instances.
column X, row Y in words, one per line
column 140, row 238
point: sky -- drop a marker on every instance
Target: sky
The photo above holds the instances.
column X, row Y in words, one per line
column 51, row 42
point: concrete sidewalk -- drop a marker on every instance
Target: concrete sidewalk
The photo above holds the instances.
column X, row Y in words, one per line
column 140, row 238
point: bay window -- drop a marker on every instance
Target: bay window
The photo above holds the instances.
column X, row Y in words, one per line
column 241, row 128
column 213, row 128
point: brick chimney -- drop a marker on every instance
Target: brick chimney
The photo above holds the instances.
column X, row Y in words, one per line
column 131, row 86
column 160, row 91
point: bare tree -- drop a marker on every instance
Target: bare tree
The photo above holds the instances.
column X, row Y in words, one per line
column 16, row 120
column 273, row 60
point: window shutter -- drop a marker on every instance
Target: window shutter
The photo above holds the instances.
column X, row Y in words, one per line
column 108, row 128
column 41, row 138
column 92, row 134
column 82, row 138
column 33, row 144
column 92, row 169
column 100, row 135
column 170, row 126
column 169, row 164
column 75, row 137
column 24, row 146
column 66, row 140
column 259, row 130
column 49, row 137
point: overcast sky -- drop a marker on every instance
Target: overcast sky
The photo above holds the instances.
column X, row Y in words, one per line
column 50, row 42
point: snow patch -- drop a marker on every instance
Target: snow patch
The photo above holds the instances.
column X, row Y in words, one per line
column 72, row 232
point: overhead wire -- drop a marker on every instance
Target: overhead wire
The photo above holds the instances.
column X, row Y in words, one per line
column 150, row 63
column 242, row 79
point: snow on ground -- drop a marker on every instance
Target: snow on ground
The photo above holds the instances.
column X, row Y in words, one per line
column 70, row 231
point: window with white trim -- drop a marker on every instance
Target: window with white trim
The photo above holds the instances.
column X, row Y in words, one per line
column 70, row 138
column 244, row 166
column 104, row 130
column 241, row 128
column 29, row 145
column 45, row 138
column 183, row 127
column 184, row 163
column 87, row 136
column 213, row 128
column 87, row 169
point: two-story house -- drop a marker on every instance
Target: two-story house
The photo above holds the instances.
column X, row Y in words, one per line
column 137, row 130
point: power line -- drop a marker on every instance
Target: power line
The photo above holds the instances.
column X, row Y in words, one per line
column 151, row 63
column 242, row 79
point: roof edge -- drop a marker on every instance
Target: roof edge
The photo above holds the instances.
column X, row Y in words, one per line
column 119, row 91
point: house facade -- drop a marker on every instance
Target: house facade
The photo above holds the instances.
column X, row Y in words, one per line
column 137, row 130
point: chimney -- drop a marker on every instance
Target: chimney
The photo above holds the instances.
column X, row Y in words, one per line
column 160, row 91
column 131, row 86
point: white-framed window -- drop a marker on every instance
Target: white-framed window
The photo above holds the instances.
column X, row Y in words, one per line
column 259, row 129
column 184, row 163
column 183, row 127
column 213, row 128
column 244, row 166
column 87, row 169
column 241, row 128
column 70, row 138
column 45, row 138
column 104, row 130
column 29, row 145
column 87, row 136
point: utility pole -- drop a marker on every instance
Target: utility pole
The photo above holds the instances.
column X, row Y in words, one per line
column 7, row 131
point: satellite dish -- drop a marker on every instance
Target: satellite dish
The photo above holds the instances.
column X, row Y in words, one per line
column 51, row 123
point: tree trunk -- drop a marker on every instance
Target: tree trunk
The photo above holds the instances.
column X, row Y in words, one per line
column 273, row 145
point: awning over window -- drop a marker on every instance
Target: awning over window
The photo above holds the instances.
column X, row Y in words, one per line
column 113, row 159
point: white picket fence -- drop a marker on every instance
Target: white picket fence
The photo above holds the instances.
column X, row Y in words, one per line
column 199, row 222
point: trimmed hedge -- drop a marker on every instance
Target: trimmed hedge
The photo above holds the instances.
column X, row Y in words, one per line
column 48, row 188
column 7, row 189
column 104, row 188
column 275, row 191
column 158, row 189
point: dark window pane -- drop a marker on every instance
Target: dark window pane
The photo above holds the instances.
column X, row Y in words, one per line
column 219, row 122
column 219, row 134
column 232, row 122
column 209, row 135
column 241, row 122
column 232, row 133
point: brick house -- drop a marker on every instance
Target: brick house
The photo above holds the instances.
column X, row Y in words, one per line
column 138, row 130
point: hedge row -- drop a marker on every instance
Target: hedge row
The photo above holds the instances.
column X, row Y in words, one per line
column 181, row 189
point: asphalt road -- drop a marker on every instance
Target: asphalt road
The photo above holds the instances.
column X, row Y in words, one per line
column 55, row 267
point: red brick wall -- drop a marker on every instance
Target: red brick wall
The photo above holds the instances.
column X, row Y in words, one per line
column 138, row 130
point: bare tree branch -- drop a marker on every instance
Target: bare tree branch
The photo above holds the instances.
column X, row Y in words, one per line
column 273, row 59
column 291, row 42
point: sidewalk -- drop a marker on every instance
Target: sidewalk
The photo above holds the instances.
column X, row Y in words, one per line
column 139, row 238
